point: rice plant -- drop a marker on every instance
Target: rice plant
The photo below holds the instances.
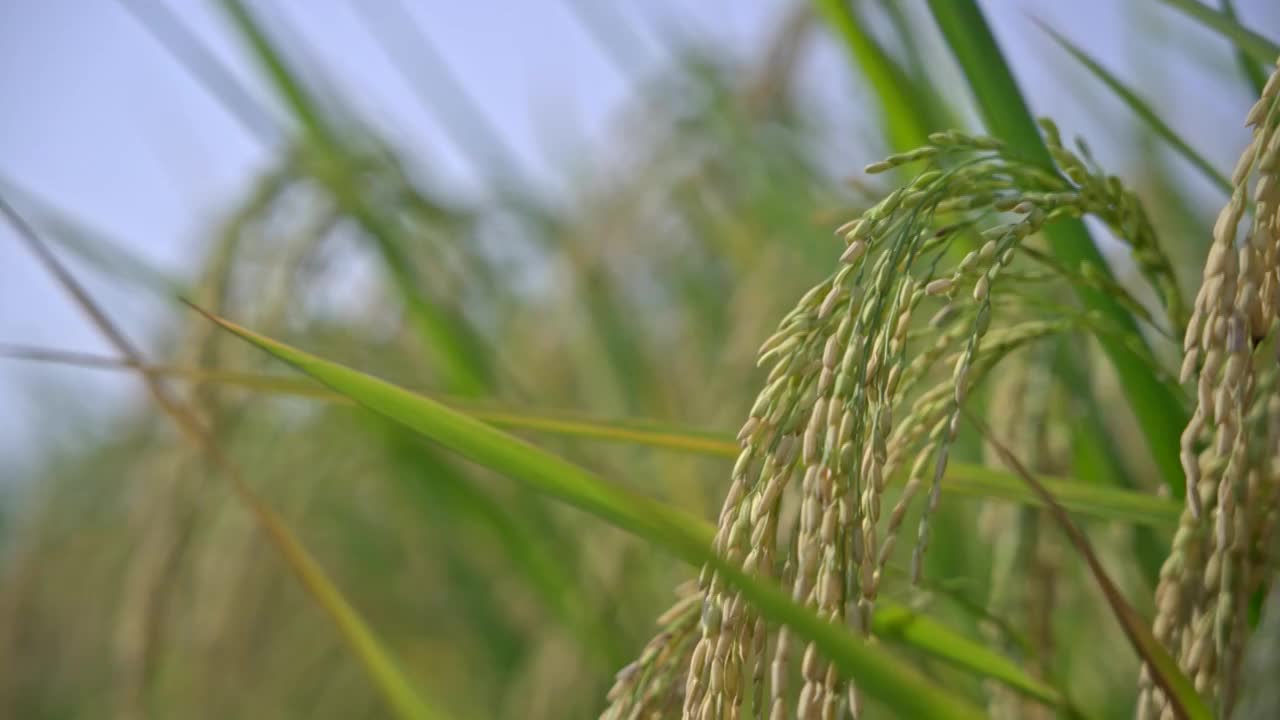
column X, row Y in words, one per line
column 981, row 469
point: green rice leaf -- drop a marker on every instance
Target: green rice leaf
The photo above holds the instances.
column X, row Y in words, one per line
column 907, row 627
column 1256, row 46
column 906, row 113
column 1141, row 109
column 1249, row 68
column 1098, row 501
column 1102, row 502
column 880, row 674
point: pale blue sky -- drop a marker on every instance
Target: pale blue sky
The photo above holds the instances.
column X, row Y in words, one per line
column 95, row 116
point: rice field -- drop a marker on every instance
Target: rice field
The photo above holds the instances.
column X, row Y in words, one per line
column 987, row 427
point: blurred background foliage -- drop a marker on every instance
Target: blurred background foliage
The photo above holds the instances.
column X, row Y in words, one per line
column 135, row 585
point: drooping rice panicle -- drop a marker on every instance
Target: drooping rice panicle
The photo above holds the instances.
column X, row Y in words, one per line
column 1229, row 448
column 854, row 396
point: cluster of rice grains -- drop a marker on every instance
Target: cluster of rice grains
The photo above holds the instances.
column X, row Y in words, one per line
column 859, row 392
column 1231, row 447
